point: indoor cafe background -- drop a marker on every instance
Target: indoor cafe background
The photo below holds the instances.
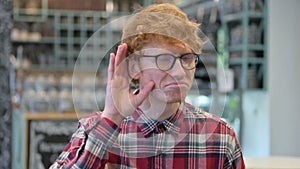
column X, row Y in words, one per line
column 254, row 41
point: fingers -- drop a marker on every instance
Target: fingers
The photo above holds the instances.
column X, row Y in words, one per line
column 111, row 69
column 115, row 61
column 121, row 54
column 121, row 68
column 143, row 94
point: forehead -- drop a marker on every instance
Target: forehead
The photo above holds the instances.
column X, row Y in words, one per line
column 165, row 47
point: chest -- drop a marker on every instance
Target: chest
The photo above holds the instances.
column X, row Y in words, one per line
column 167, row 161
column 166, row 151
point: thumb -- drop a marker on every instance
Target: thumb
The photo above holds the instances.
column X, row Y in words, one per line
column 143, row 94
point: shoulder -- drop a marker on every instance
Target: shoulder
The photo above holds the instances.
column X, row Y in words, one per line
column 211, row 122
column 215, row 130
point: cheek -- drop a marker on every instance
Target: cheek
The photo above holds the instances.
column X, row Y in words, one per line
column 152, row 75
column 191, row 74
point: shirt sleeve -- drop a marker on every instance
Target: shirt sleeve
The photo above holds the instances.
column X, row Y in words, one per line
column 89, row 144
column 237, row 159
column 234, row 153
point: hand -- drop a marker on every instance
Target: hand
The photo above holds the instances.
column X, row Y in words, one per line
column 120, row 102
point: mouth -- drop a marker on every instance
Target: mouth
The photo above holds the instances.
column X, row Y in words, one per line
column 175, row 85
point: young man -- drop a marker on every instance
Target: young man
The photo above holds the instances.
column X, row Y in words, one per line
column 153, row 127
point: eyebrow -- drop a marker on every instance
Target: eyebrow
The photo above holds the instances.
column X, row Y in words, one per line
column 169, row 54
column 159, row 51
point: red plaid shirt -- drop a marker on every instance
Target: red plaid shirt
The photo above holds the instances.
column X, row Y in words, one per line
column 190, row 139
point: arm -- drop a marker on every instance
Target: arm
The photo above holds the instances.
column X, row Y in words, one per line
column 237, row 161
column 89, row 144
column 234, row 155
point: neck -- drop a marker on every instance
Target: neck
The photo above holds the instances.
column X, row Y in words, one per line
column 159, row 110
column 170, row 109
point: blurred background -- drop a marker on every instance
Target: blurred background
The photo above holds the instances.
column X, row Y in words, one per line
column 54, row 56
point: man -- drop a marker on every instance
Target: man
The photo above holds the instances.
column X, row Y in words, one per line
column 153, row 127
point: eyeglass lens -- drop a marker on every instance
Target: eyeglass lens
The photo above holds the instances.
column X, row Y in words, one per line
column 167, row 61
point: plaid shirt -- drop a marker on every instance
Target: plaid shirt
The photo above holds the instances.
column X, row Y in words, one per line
column 190, row 139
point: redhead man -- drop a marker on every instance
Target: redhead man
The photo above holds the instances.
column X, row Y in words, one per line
column 153, row 127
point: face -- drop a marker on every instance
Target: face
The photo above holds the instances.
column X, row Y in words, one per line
column 175, row 83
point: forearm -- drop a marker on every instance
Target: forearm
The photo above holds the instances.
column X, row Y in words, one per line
column 89, row 145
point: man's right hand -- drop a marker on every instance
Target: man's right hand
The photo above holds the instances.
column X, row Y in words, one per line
column 120, row 102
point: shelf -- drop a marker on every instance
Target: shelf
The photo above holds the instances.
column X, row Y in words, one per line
column 86, row 13
column 239, row 16
column 74, row 52
column 71, row 31
column 45, row 40
column 247, row 30
column 51, row 68
column 238, row 61
column 73, row 40
column 79, row 27
column 52, row 116
column 237, row 48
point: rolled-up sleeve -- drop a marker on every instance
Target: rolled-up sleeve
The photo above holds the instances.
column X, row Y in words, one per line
column 89, row 144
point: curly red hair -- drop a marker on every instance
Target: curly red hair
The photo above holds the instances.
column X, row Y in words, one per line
column 164, row 23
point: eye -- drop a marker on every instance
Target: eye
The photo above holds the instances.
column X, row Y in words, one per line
column 188, row 58
column 164, row 61
column 165, row 58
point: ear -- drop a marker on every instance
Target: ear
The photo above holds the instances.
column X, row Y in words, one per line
column 134, row 69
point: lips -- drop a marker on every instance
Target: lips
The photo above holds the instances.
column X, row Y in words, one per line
column 176, row 85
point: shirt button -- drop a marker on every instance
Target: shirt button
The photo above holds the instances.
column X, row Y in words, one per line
column 58, row 166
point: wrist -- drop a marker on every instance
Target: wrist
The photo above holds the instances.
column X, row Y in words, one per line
column 116, row 118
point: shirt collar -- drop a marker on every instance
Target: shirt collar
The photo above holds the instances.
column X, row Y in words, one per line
column 149, row 126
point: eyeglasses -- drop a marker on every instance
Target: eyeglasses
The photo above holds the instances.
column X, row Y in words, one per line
column 166, row 61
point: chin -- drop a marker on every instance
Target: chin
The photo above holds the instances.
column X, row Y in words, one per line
column 173, row 97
